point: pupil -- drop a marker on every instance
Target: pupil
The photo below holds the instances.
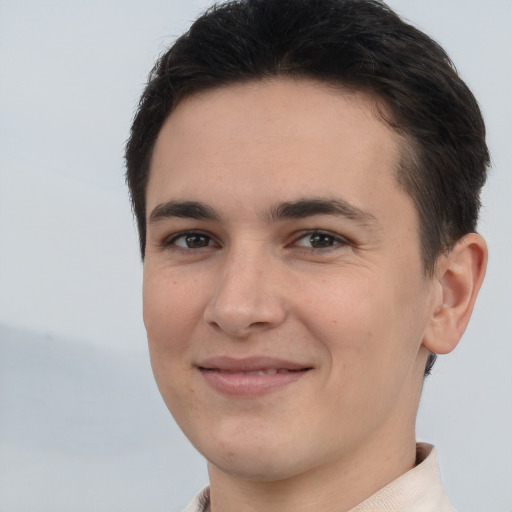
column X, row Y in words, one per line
column 194, row 241
column 319, row 241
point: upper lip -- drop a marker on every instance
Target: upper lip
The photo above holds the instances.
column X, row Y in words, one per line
column 249, row 364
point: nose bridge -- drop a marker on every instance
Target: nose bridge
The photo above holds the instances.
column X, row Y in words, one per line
column 246, row 297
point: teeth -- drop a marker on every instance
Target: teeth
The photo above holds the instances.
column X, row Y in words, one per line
column 268, row 371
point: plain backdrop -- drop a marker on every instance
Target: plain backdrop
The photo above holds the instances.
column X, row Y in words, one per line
column 82, row 427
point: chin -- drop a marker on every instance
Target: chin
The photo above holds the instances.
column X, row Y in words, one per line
column 267, row 467
column 258, row 460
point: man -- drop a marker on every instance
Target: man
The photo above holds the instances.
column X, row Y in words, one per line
column 306, row 178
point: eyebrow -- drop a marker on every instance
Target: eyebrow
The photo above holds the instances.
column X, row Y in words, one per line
column 299, row 209
column 303, row 208
column 184, row 210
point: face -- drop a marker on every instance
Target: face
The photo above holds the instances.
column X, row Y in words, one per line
column 284, row 296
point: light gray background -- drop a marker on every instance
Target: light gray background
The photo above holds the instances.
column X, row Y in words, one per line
column 82, row 427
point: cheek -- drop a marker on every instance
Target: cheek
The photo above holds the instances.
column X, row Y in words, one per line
column 172, row 311
column 341, row 309
column 172, row 308
column 366, row 321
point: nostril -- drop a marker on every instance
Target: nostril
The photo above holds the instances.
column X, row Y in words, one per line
column 240, row 315
column 258, row 324
column 215, row 326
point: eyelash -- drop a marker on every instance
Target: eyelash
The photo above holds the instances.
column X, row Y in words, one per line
column 336, row 240
column 333, row 240
column 171, row 241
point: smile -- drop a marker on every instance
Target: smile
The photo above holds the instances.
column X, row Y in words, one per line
column 250, row 377
column 269, row 371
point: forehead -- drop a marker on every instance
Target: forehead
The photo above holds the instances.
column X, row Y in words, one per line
column 274, row 127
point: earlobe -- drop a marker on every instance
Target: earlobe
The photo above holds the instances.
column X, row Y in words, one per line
column 459, row 276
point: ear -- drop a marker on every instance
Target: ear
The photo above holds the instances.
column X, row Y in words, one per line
column 459, row 275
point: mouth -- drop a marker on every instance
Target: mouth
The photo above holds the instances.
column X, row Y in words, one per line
column 263, row 371
column 250, row 376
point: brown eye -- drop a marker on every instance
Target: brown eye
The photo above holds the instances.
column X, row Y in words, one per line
column 192, row 241
column 320, row 240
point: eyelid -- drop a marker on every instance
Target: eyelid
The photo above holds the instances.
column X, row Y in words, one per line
column 339, row 239
column 170, row 240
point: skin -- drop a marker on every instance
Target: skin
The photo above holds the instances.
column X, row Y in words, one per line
column 343, row 294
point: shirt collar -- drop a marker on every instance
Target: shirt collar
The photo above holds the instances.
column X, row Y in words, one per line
column 418, row 490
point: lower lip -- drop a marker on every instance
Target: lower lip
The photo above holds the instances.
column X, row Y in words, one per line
column 238, row 384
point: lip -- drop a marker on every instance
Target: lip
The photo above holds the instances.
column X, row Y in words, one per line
column 252, row 376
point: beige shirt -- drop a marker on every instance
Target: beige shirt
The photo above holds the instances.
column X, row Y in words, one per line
column 418, row 490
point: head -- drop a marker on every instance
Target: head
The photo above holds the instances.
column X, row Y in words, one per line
column 259, row 101
column 355, row 45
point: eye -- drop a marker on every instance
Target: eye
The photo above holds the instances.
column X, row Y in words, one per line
column 191, row 241
column 320, row 240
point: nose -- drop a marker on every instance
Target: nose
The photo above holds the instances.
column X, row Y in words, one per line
column 247, row 297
